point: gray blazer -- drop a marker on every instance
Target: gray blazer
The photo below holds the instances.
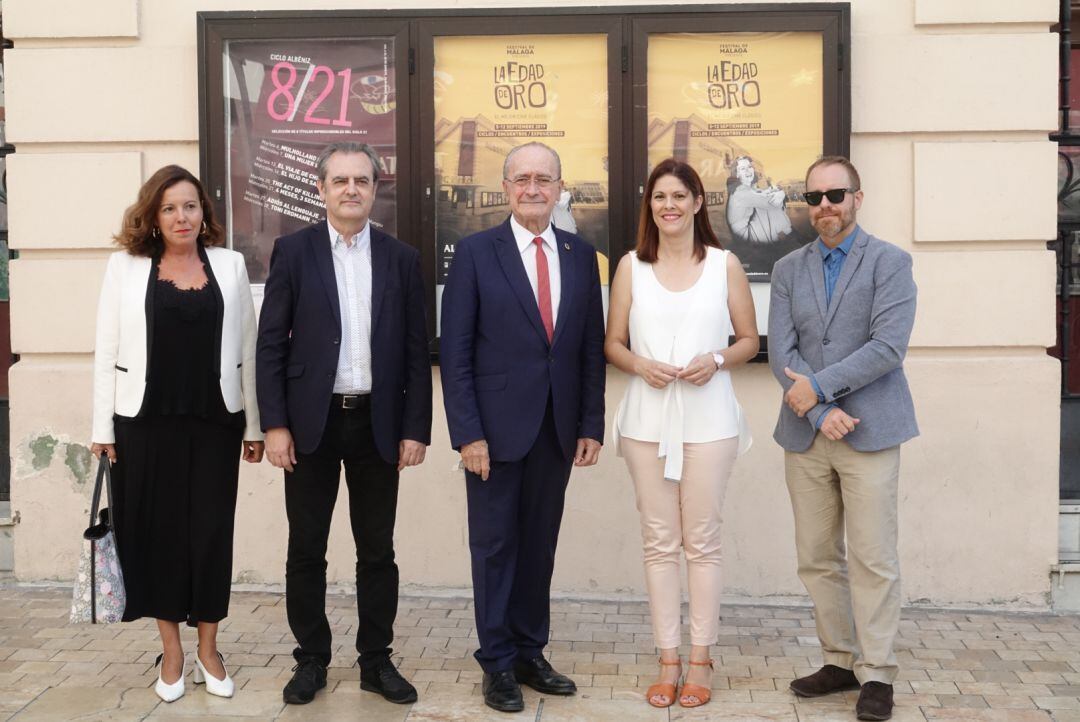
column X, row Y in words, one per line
column 855, row 346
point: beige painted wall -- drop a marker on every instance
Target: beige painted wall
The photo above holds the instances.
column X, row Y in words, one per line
column 955, row 170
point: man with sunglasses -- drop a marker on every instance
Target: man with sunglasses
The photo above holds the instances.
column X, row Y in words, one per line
column 523, row 371
column 840, row 317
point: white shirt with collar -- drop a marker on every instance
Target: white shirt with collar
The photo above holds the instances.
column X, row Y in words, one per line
column 524, row 238
column 352, row 270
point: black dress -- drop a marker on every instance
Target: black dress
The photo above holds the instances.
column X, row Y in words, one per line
column 175, row 478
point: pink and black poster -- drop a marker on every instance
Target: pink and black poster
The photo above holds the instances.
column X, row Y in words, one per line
column 288, row 99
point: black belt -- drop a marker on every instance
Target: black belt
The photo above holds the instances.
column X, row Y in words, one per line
column 350, row 401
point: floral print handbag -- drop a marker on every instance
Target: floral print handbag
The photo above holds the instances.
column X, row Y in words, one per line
column 98, row 596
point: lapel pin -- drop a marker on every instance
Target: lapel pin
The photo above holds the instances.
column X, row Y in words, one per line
column 566, row 246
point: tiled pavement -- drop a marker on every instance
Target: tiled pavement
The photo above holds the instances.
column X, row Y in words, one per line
column 954, row 665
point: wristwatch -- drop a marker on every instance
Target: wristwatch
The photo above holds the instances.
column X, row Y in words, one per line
column 718, row 359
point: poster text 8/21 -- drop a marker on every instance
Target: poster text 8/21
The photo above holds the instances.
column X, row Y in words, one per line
column 284, row 89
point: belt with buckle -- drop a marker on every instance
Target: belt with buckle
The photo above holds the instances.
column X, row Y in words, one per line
column 349, row 401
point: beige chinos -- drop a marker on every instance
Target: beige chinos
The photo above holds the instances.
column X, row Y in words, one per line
column 837, row 491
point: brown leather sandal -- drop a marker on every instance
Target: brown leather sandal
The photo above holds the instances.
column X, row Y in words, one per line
column 696, row 690
column 662, row 688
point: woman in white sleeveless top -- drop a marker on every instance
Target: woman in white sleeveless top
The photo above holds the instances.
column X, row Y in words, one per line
column 675, row 302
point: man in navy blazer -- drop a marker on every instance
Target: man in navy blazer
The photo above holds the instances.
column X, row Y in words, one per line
column 344, row 378
column 523, row 375
column 840, row 317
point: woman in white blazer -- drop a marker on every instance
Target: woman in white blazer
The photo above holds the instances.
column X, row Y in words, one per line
column 175, row 410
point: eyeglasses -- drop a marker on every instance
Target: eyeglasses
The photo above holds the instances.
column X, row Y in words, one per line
column 541, row 181
column 836, row 195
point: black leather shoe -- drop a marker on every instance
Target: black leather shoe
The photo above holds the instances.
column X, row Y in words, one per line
column 309, row 676
column 875, row 701
column 501, row 692
column 383, row 677
column 541, row 676
column 826, row 680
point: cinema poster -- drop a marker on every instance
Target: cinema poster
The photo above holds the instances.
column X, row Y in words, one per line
column 287, row 99
column 493, row 93
column 746, row 110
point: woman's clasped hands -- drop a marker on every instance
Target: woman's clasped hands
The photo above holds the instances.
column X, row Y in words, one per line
column 658, row 375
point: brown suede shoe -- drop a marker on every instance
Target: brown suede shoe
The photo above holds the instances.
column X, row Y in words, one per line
column 875, row 701
column 826, row 680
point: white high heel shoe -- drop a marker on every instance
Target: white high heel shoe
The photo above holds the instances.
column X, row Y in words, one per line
column 170, row 692
column 215, row 686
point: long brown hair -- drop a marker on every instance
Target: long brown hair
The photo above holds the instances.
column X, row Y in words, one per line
column 137, row 233
column 648, row 235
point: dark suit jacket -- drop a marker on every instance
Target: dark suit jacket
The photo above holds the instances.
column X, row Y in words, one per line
column 497, row 366
column 300, row 339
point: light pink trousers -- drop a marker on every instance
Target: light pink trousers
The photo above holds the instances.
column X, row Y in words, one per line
column 682, row 516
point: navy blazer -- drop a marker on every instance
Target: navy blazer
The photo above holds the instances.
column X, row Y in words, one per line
column 300, row 339
column 497, row 367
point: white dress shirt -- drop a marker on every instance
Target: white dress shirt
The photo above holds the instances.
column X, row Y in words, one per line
column 352, row 270
column 524, row 238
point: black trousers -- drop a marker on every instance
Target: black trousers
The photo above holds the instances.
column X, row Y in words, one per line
column 310, row 493
column 514, row 520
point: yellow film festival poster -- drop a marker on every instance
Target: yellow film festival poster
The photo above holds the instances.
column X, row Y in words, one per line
column 746, row 110
column 493, row 93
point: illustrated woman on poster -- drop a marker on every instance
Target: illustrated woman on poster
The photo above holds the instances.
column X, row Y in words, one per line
column 755, row 215
column 563, row 215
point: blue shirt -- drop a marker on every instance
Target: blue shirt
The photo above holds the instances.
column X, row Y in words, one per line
column 832, row 262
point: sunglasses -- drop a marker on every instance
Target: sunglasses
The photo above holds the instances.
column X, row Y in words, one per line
column 836, row 195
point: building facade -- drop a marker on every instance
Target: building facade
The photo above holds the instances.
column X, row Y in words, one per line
column 951, row 104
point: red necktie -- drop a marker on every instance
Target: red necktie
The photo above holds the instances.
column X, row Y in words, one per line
column 543, row 288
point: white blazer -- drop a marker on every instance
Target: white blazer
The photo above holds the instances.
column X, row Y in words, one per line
column 120, row 363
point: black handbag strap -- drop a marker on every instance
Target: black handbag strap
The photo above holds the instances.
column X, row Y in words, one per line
column 104, row 478
column 104, row 475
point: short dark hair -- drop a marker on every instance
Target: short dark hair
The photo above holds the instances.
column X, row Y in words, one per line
column 137, row 235
column 853, row 174
column 648, row 235
column 347, row 147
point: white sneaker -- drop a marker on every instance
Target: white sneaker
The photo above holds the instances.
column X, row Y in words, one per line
column 215, row 686
column 170, row 692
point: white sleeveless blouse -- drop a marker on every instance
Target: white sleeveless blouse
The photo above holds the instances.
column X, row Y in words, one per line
column 674, row 327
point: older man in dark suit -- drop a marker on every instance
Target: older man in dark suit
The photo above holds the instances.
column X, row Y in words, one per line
column 840, row 317
column 343, row 378
column 523, row 375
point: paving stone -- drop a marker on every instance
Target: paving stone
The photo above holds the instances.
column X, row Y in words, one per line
column 934, row 688
column 972, row 701
column 987, row 715
column 90, row 703
column 39, row 667
column 950, row 675
column 462, row 709
column 1032, row 690
column 579, row 709
column 246, row 703
column 85, row 680
column 344, row 704
column 1008, row 702
column 953, row 665
column 735, row 711
column 1056, row 703
column 29, row 654
column 1063, row 715
column 916, row 700
column 82, row 668
column 847, row 714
